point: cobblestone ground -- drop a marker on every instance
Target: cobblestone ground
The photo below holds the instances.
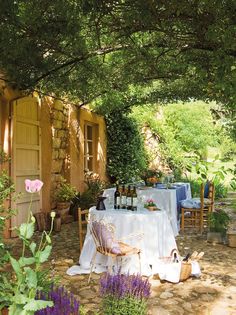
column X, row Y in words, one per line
column 212, row 294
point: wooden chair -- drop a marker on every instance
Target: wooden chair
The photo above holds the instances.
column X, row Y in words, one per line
column 208, row 201
column 82, row 222
column 106, row 244
column 197, row 217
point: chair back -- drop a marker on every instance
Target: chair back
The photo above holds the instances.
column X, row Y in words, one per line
column 202, row 195
column 211, row 193
column 103, row 234
column 82, row 223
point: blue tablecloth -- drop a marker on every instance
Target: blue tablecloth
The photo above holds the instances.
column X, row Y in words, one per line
column 181, row 194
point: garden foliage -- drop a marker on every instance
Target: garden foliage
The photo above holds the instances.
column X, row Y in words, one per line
column 126, row 155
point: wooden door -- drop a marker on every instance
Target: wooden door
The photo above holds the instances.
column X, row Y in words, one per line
column 26, row 155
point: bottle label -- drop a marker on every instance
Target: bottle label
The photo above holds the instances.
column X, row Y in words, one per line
column 119, row 201
column 135, row 202
column 123, row 200
column 129, row 201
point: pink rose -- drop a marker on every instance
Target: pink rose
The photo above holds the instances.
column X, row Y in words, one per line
column 33, row 186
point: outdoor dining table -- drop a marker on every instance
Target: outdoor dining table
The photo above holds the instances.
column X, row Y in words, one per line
column 156, row 239
column 166, row 199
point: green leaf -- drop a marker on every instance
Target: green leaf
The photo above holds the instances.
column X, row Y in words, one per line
column 15, row 265
column 32, row 247
column 26, row 230
column 43, row 255
column 20, row 299
column 31, row 277
column 36, row 305
column 16, row 310
column 24, row 261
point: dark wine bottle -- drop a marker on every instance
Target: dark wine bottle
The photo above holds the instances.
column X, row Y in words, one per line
column 123, row 197
column 186, row 257
column 134, row 199
column 117, row 198
column 129, row 199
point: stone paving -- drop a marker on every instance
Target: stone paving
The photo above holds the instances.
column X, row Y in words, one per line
column 212, row 294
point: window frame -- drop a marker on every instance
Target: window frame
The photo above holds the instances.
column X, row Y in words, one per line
column 89, row 155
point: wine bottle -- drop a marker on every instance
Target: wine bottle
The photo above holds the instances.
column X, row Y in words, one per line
column 129, row 199
column 134, row 199
column 186, row 258
column 123, row 197
column 117, row 198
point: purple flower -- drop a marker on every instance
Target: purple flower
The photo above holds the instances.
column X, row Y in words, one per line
column 64, row 303
column 121, row 286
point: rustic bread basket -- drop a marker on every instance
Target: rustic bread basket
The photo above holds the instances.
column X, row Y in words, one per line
column 186, row 267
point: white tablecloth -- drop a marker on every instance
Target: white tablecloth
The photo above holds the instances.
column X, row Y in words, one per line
column 157, row 240
column 165, row 199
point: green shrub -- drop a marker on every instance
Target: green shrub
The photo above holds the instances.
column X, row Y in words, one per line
column 65, row 192
column 126, row 156
column 218, row 221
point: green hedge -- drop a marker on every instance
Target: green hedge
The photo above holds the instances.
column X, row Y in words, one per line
column 126, row 155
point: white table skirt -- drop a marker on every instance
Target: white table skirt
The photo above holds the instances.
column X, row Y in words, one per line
column 165, row 199
column 157, row 241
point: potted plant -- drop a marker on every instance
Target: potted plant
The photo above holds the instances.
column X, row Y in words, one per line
column 151, row 177
column 218, row 222
column 150, row 205
column 64, row 194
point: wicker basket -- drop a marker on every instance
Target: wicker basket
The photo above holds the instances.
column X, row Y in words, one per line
column 186, row 270
column 186, row 267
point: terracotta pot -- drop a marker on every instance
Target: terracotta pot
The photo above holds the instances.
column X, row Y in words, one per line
column 63, row 205
column 232, row 239
column 57, row 224
column 215, row 237
column 152, row 208
column 4, row 311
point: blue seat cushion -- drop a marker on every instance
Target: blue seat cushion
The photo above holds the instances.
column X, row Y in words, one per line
column 193, row 203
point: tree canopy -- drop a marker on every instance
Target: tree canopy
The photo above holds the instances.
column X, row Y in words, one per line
column 145, row 51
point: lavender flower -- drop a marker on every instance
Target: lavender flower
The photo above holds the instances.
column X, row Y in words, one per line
column 122, row 286
column 64, row 303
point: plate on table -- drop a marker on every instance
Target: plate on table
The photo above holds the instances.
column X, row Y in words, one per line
column 144, row 188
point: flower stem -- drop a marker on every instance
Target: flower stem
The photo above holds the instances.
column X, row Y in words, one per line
column 28, row 219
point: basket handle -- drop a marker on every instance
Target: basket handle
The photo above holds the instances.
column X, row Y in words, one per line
column 175, row 251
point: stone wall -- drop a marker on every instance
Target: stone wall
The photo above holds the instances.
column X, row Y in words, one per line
column 152, row 144
column 60, row 140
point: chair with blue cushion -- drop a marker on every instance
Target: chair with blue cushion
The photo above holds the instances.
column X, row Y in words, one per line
column 194, row 212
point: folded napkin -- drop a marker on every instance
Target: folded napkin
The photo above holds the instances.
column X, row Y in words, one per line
column 170, row 272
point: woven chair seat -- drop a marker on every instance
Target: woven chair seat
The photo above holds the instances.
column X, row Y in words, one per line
column 124, row 248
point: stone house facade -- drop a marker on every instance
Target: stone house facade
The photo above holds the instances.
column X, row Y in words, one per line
column 48, row 139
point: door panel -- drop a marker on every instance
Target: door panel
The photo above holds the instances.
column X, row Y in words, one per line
column 26, row 154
